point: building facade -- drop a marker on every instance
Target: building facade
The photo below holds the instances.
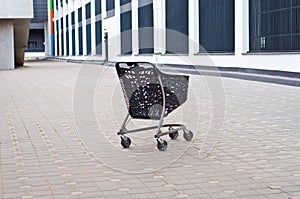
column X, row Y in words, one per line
column 262, row 34
column 15, row 17
column 38, row 32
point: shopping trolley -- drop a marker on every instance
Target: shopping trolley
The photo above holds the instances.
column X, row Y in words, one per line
column 151, row 94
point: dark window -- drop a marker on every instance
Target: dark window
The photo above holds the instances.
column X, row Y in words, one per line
column 88, row 11
column 32, row 45
column 98, row 27
column 274, row 25
column 88, row 39
column 80, row 40
column 88, row 28
column 57, row 37
column 126, row 33
column 67, row 21
column 98, row 7
column 110, row 8
column 73, row 33
column 62, row 36
column 146, row 29
column 99, row 37
column 177, row 26
column 122, row 2
column 216, row 25
column 67, row 35
column 36, row 40
column 73, row 18
column 56, row 4
column 110, row 4
column 80, row 15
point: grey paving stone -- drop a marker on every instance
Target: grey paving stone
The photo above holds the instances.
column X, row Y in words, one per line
column 44, row 151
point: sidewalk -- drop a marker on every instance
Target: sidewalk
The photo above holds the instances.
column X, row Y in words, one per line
column 58, row 139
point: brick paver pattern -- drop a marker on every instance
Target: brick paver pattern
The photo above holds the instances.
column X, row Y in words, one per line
column 43, row 154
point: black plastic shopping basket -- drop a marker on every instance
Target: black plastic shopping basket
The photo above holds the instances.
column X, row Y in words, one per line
column 152, row 94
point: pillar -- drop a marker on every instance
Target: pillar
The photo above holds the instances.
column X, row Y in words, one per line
column 7, row 44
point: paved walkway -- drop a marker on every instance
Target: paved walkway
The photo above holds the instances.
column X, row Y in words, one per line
column 58, row 139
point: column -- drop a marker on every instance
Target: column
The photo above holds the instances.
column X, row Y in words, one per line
column 93, row 27
column 84, row 44
column 76, row 32
column 159, row 25
column 193, row 27
column 241, row 26
column 246, row 33
column 47, row 38
column 7, row 44
column 135, row 27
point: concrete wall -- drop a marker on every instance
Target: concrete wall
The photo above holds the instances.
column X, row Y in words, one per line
column 15, row 16
column 16, row 9
column 6, row 44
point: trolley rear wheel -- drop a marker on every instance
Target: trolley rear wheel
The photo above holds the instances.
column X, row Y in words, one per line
column 174, row 135
column 188, row 135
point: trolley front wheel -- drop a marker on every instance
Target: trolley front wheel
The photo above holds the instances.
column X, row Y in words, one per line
column 125, row 141
column 162, row 144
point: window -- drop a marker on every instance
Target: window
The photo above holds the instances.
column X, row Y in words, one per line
column 98, row 27
column 274, row 25
column 32, row 44
column 97, row 7
column 126, row 32
column 146, row 40
column 88, row 11
column 57, row 37
column 99, row 37
column 62, row 37
column 73, row 33
column 177, row 26
column 110, row 8
column 67, row 35
column 80, row 32
column 88, row 28
column 216, row 25
column 123, row 2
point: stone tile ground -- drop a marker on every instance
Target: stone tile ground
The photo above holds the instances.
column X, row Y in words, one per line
column 58, row 139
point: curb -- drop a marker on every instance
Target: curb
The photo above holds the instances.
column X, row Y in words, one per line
column 267, row 76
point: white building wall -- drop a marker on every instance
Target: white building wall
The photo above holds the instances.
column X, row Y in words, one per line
column 240, row 58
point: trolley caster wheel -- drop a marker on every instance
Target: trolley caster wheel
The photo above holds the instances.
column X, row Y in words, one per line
column 162, row 144
column 188, row 135
column 125, row 141
column 174, row 135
